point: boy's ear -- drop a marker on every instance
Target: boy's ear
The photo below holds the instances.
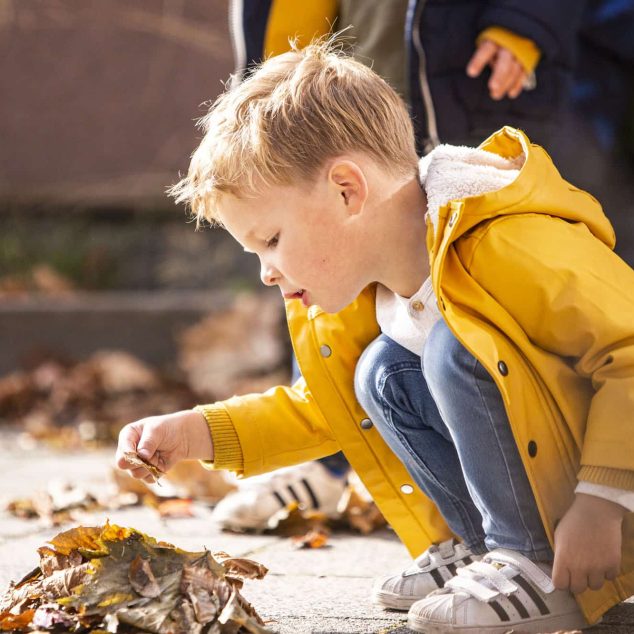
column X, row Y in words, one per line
column 349, row 183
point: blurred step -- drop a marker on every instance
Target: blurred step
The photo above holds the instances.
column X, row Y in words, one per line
column 146, row 324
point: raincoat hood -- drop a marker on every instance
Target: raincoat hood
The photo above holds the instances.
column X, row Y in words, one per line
column 505, row 175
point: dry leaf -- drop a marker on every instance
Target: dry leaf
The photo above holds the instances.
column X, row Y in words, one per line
column 241, row 567
column 175, row 508
column 142, row 578
column 191, row 480
column 292, row 520
column 359, row 513
column 315, row 538
column 231, row 350
column 11, row 622
column 136, row 460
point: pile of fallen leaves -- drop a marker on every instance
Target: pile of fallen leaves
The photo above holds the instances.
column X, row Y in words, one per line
column 113, row 579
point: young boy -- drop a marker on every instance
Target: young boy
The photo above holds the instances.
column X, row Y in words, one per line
column 469, row 344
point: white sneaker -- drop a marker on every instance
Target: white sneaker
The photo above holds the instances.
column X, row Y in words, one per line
column 258, row 499
column 503, row 591
column 428, row 572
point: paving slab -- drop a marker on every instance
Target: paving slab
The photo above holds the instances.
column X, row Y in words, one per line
column 306, row 591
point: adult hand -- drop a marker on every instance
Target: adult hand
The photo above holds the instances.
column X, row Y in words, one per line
column 507, row 74
column 163, row 441
column 588, row 544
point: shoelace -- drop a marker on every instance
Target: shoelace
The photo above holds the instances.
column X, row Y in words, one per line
column 484, row 580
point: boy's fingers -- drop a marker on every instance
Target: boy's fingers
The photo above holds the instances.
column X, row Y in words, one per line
column 504, row 74
column 578, row 582
column 148, row 444
column 483, row 55
column 596, row 580
column 561, row 576
column 128, row 440
column 139, row 473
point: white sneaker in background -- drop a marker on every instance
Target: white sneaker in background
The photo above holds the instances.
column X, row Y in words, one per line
column 428, row 572
column 258, row 499
column 502, row 592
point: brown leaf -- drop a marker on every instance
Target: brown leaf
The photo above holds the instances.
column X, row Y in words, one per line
column 293, row 520
column 11, row 622
column 175, row 508
column 315, row 538
column 360, row 514
column 51, row 561
column 62, row 583
column 136, row 460
column 142, row 578
column 191, row 480
column 207, row 593
column 238, row 612
column 233, row 347
column 241, row 567
column 119, row 371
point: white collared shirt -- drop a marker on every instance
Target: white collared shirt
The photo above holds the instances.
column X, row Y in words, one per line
column 408, row 321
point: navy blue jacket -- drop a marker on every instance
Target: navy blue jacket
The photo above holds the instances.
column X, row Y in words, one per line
column 464, row 111
column 460, row 106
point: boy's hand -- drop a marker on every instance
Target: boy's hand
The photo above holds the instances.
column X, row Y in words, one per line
column 163, row 441
column 588, row 544
column 507, row 76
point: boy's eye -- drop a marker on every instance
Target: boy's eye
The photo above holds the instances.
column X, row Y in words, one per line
column 272, row 243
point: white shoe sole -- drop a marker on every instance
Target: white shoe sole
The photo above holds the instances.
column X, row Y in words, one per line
column 393, row 601
column 536, row 626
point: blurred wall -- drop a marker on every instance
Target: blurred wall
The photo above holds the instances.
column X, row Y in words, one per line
column 98, row 98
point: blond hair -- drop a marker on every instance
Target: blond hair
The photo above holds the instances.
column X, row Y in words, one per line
column 281, row 125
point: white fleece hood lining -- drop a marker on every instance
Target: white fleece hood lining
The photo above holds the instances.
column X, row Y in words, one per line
column 451, row 172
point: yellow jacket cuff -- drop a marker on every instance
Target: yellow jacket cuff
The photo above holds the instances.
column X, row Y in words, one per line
column 525, row 50
column 616, row 478
column 226, row 444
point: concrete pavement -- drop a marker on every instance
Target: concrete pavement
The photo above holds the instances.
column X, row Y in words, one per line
column 324, row 590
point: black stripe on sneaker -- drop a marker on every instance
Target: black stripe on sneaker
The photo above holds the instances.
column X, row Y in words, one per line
column 437, row 577
column 530, row 591
column 452, row 569
column 311, row 493
column 468, row 560
column 280, row 499
column 518, row 605
column 294, row 495
column 500, row 611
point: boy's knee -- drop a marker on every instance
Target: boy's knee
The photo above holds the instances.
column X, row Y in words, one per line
column 384, row 372
column 367, row 375
column 443, row 357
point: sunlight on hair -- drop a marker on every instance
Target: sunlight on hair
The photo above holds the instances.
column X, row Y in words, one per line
column 289, row 116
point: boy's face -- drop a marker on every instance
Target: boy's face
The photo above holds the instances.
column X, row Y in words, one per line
column 308, row 239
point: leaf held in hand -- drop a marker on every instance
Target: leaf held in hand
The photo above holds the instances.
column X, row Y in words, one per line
column 136, row 460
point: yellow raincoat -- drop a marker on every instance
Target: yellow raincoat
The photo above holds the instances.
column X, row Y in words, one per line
column 527, row 280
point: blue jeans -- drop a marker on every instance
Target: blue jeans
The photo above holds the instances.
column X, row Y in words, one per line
column 443, row 416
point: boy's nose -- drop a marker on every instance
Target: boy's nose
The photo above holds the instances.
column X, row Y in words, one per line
column 268, row 275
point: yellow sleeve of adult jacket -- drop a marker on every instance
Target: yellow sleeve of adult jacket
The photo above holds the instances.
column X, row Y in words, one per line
column 256, row 433
column 573, row 297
